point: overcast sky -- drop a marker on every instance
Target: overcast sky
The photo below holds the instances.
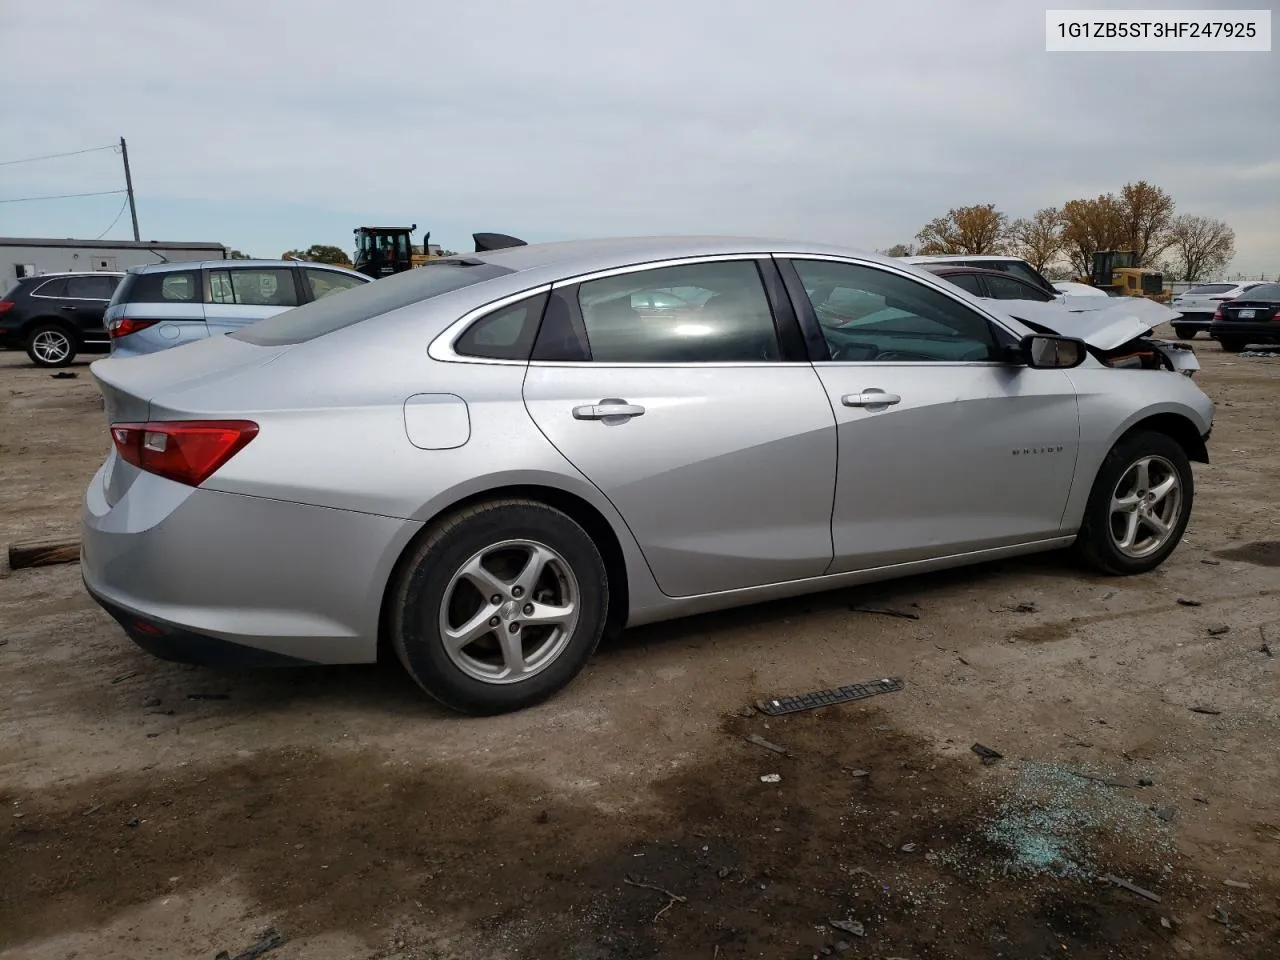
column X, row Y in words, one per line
column 275, row 124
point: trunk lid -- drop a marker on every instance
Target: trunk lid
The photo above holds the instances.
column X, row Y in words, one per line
column 1250, row 311
column 129, row 386
column 1101, row 323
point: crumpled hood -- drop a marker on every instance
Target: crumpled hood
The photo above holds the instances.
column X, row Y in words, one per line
column 1101, row 322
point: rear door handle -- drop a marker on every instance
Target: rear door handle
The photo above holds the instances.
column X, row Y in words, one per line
column 66, row 307
column 607, row 409
column 870, row 398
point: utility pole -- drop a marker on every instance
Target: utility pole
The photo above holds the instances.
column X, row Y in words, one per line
column 128, row 183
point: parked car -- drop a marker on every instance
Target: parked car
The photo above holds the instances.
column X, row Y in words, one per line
column 1073, row 289
column 491, row 460
column 1200, row 303
column 992, row 284
column 168, row 304
column 1015, row 266
column 1253, row 317
column 56, row 316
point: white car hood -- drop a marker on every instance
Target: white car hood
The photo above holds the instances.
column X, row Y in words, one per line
column 1104, row 323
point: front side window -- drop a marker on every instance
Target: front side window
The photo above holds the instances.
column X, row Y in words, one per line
column 897, row 318
column 694, row 313
column 257, row 287
column 324, row 283
column 965, row 281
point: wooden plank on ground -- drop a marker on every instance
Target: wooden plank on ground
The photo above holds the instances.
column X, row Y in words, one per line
column 40, row 553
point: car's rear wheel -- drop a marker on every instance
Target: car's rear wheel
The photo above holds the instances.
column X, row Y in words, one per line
column 1139, row 506
column 1184, row 333
column 1231, row 345
column 51, row 345
column 499, row 606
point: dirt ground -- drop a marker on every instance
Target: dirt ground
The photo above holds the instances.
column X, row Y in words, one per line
column 148, row 810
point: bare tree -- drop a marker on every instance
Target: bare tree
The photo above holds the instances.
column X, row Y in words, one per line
column 1038, row 239
column 976, row 230
column 1201, row 246
column 1148, row 213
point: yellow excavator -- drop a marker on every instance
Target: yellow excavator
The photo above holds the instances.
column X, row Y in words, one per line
column 1117, row 272
column 383, row 251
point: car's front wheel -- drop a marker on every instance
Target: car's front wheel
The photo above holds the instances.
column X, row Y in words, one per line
column 51, row 345
column 1139, row 506
column 499, row 606
column 1184, row 333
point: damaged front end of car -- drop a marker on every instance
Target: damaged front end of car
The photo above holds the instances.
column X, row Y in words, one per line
column 1117, row 331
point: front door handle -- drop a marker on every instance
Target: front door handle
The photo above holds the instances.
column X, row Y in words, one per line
column 870, row 398
column 66, row 307
column 607, row 409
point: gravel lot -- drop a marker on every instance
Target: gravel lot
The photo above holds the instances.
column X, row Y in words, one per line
column 627, row 818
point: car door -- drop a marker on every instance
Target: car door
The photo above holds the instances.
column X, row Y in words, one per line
column 704, row 424
column 90, row 294
column 944, row 448
column 237, row 296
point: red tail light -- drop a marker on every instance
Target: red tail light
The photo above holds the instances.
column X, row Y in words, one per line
column 6, row 306
column 187, row 451
column 123, row 326
column 1217, row 314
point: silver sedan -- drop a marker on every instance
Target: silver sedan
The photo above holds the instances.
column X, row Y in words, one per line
column 488, row 463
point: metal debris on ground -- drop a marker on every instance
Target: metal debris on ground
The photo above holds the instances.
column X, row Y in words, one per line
column 1219, row 629
column 1188, row 602
column 988, row 755
column 1212, row 563
column 1133, row 888
column 64, row 375
column 884, row 611
column 760, row 741
column 908, row 848
column 825, row 698
column 771, row 778
column 857, row 774
column 123, row 677
column 1238, row 884
column 268, row 940
column 1212, row 711
column 848, row 926
column 1259, row 353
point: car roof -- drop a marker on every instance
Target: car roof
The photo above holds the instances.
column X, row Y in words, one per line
column 947, row 269
column 237, row 264
column 953, row 257
column 54, row 274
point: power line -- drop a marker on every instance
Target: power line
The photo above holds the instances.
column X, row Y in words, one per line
column 119, row 214
column 55, row 156
column 63, row 196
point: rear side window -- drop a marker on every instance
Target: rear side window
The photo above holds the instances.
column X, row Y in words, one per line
column 173, row 286
column 505, row 334
column 1009, row 288
column 1016, row 268
column 723, row 317
column 92, row 288
column 1207, row 288
column 324, row 283
column 965, row 281
column 253, row 287
column 51, row 288
column 319, row 317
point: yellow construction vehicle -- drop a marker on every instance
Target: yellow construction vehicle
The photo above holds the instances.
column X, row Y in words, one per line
column 1118, row 273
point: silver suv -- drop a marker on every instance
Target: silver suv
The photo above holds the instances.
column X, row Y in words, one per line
column 168, row 304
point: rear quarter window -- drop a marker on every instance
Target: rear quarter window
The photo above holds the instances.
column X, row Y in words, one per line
column 170, row 286
column 315, row 319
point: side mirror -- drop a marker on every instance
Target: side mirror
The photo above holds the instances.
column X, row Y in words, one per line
column 1044, row 352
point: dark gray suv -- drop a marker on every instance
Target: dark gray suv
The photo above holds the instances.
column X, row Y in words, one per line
column 56, row 316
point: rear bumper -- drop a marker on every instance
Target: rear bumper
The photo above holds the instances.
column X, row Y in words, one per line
column 1264, row 331
column 206, row 577
column 1197, row 321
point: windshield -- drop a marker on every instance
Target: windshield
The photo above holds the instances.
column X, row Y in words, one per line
column 1206, row 288
column 382, row 245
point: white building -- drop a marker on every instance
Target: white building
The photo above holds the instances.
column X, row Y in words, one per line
column 28, row 256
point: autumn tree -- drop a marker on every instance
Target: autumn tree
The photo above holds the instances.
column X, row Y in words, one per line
column 1201, row 246
column 1089, row 226
column 1038, row 239
column 900, row 250
column 1148, row 215
column 319, row 253
column 975, row 230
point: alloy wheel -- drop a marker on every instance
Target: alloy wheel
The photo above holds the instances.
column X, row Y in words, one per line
column 509, row 611
column 1145, row 506
column 51, row 346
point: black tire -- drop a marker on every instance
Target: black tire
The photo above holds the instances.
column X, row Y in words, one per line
column 1184, row 333
column 431, row 565
column 44, row 337
column 1095, row 543
column 1230, row 345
